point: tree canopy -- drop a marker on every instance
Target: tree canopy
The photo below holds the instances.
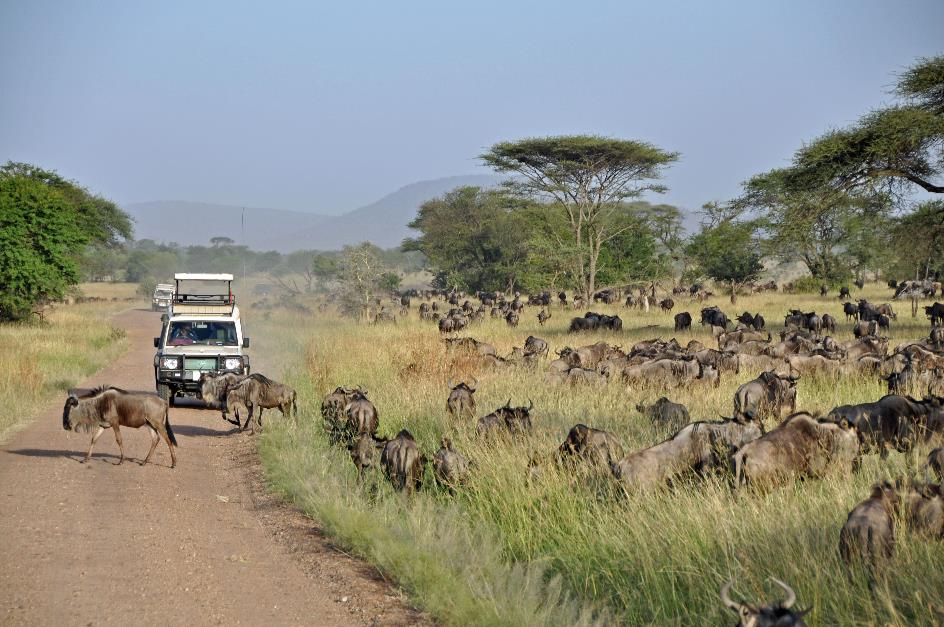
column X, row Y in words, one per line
column 586, row 179
column 727, row 252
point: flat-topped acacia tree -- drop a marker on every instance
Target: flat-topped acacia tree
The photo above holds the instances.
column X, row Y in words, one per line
column 586, row 177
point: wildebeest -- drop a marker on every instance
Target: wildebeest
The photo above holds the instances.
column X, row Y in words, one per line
column 110, row 407
column 936, row 462
column 258, row 392
column 936, row 337
column 666, row 304
column 461, row 401
column 683, row 321
column 714, row 317
column 807, row 320
column 801, row 446
column 851, row 311
column 362, row 416
column 665, row 412
column 756, row 322
column 844, row 292
column 364, row 452
column 698, row 447
column 897, row 421
column 213, row 386
column 512, row 420
column 868, row 537
column 592, row 321
column 543, row 316
column 536, row 346
column 770, row 392
column 863, row 329
column 829, row 323
column 512, row 318
column 332, row 412
column 775, row 615
column 449, row 466
column 924, row 508
column 402, row 463
column 936, row 313
column 598, row 447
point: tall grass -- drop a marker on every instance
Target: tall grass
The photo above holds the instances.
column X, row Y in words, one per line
column 41, row 360
column 566, row 547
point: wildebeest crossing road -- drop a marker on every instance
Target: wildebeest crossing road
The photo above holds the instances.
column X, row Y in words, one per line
column 98, row 543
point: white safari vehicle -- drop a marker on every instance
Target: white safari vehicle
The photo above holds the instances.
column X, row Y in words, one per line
column 201, row 332
column 163, row 294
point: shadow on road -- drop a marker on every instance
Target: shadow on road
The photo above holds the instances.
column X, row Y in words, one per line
column 196, row 430
column 73, row 455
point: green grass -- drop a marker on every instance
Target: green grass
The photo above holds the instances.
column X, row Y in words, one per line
column 41, row 361
column 565, row 548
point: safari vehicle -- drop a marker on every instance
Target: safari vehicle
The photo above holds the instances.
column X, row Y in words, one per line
column 163, row 294
column 201, row 332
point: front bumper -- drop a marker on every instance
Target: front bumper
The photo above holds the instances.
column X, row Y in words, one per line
column 184, row 379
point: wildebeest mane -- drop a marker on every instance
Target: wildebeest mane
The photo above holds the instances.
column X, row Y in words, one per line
column 99, row 391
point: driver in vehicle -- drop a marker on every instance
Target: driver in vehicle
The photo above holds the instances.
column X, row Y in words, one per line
column 184, row 332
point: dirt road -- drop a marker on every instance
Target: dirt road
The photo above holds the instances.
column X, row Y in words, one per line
column 98, row 543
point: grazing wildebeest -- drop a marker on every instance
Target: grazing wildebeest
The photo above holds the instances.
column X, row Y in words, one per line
column 829, row 323
column 598, row 447
column 402, row 462
column 364, row 452
column 865, row 329
column 775, row 615
column 697, row 448
column 883, row 321
column 898, row 421
column 449, row 466
column 868, row 537
column 512, row 318
column 823, row 290
column 260, row 392
column 801, row 446
column 110, row 407
column 936, row 337
column 461, row 401
column 362, row 416
column 332, row 412
column 851, row 311
column 213, row 386
column 770, row 392
column 666, row 304
column 714, row 317
column 536, row 346
column 543, row 316
column 513, row 420
column 844, row 292
column 683, row 321
column 665, row 412
column 859, row 283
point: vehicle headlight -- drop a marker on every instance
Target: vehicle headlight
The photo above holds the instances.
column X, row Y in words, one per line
column 170, row 363
column 232, row 363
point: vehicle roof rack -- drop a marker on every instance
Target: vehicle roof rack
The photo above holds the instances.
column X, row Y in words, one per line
column 203, row 294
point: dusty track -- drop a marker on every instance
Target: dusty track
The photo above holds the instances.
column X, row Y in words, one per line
column 200, row 544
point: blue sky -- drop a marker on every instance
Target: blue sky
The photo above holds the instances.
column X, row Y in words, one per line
column 327, row 106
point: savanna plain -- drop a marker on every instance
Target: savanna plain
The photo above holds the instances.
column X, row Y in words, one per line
column 572, row 547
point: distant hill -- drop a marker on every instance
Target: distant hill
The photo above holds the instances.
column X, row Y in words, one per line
column 189, row 223
column 382, row 222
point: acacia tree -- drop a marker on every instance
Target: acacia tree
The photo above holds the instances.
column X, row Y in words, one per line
column 363, row 279
column 587, row 178
column 727, row 252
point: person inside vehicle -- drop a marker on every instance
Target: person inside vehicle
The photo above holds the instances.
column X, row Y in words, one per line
column 184, row 332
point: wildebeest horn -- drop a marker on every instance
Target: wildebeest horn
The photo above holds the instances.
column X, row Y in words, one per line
column 791, row 595
column 508, row 404
column 449, row 383
column 530, row 404
column 475, row 383
column 726, row 597
column 72, row 394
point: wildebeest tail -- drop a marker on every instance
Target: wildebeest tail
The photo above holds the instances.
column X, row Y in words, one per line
column 170, row 432
column 294, row 404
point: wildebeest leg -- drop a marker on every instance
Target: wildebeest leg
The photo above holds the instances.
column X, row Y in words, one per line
column 155, row 438
column 121, row 448
column 95, row 437
column 173, row 456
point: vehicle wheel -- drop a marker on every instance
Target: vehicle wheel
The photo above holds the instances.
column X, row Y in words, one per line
column 165, row 393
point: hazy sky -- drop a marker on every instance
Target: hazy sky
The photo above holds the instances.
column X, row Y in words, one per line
column 327, row 106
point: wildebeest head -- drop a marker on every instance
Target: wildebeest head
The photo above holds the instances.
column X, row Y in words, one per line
column 773, row 615
column 72, row 402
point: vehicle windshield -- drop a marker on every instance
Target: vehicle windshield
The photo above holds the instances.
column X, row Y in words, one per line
column 163, row 294
column 202, row 332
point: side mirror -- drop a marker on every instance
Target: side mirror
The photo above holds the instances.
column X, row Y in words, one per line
column 245, row 342
column 157, row 342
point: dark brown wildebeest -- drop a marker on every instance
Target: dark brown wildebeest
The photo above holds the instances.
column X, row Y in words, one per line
column 512, row 318
column 801, row 446
column 869, row 345
column 823, row 290
column 897, row 421
column 332, row 412
column 260, row 392
column 362, row 416
column 543, row 316
column 461, row 402
column 666, row 304
column 923, row 505
column 508, row 419
column 936, row 338
column 844, row 292
column 683, row 321
column 936, row 462
column 868, row 537
column 935, row 313
column 665, row 413
column 766, row 395
column 110, row 407
column 697, row 448
column 599, row 448
column 829, row 323
column 851, row 311
column 536, row 346
column 723, row 361
column 775, row 615
column 402, row 462
column 213, row 386
column 450, row 466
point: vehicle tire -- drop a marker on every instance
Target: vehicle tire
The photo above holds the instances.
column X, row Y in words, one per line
column 165, row 393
